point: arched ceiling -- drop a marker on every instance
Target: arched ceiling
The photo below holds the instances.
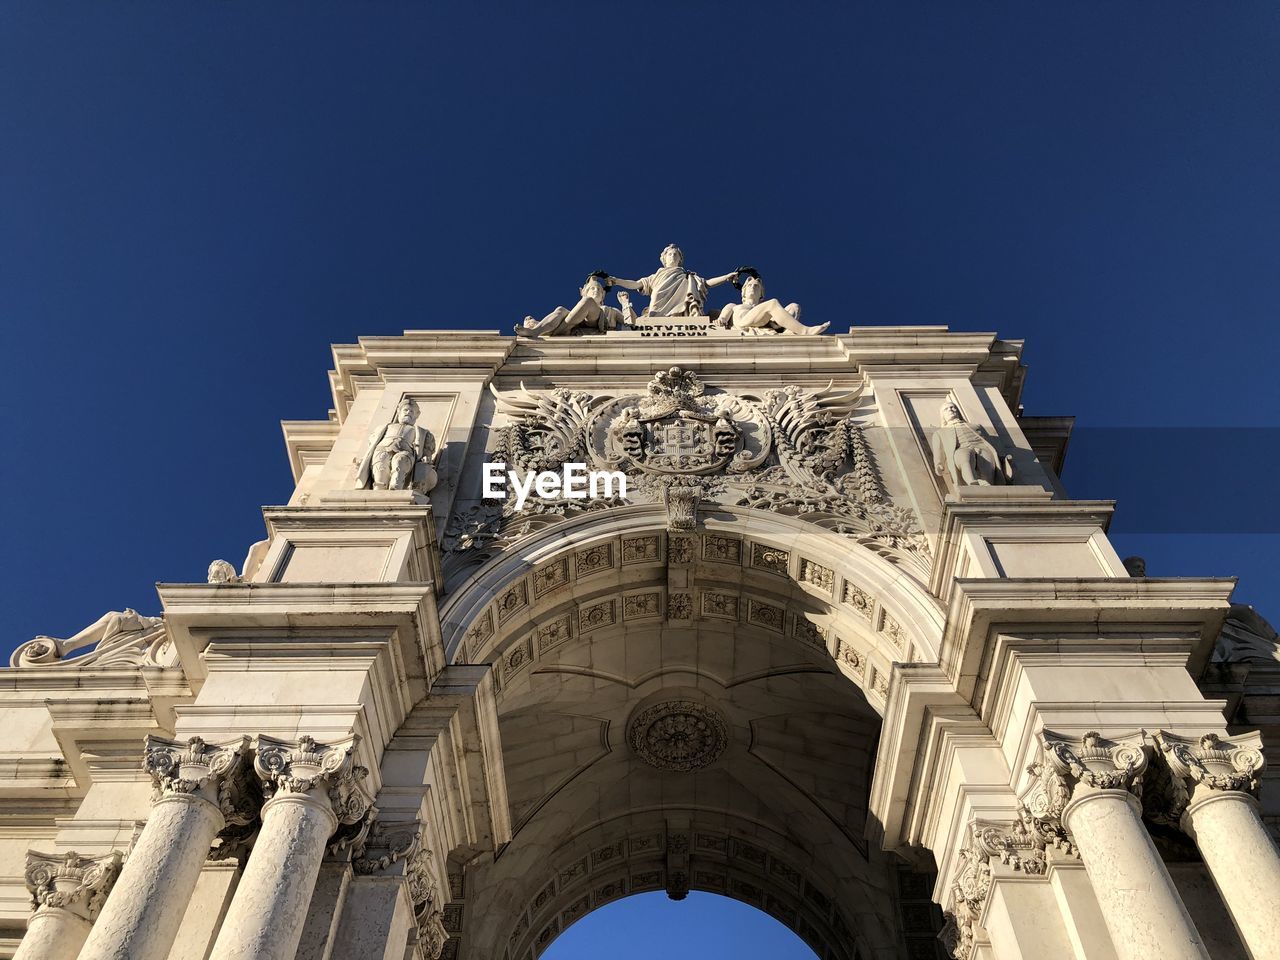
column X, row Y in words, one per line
column 687, row 710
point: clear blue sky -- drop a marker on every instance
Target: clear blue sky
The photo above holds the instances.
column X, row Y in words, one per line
column 199, row 198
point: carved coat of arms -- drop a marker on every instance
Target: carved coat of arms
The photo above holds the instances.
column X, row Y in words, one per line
column 791, row 450
column 675, row 430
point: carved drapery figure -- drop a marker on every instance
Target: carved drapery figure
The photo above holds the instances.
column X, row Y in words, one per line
column 962, row 452
column 589, row 315
column 399, row 455
column 674, row 291
column 759, row 315
column 112, row 629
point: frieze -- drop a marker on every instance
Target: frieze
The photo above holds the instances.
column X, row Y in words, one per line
column 795, row 451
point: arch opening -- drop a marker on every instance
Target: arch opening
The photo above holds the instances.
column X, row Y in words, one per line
column 643, row 925
column 688, row 712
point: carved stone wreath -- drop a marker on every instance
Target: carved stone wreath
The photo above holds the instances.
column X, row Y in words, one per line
column 679, row 735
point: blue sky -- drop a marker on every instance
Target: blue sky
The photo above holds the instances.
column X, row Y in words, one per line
column 199, row 198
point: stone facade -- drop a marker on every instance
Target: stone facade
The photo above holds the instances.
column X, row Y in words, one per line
column 844, row 651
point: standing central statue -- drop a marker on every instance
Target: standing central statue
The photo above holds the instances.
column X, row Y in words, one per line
column 674, row 291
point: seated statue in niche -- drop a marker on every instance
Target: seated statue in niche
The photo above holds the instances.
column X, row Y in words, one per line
column 673, row 291
column 759, row 315
column 110, row 629
column 589, row 315
column 963, row 452
column 399, row 455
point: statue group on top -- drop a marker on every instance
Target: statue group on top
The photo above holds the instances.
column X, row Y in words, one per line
column 673, row 291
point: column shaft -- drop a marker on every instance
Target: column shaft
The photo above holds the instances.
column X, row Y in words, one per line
column 1244, row 864
column 1137, row 897
column 141, row 917
column 54, row 933
column 270, row 905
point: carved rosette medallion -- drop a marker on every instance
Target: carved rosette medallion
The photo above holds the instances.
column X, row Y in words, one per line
column 679, row 735
column 70, row 881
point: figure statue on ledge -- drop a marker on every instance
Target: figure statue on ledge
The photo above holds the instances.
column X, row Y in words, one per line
column 589, row 312
column 757, row 314
column 399, row 455
column 964, row 453
column 673, row 291
column 110, row 629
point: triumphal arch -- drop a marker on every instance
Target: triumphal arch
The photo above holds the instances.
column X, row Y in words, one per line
column 827, row 636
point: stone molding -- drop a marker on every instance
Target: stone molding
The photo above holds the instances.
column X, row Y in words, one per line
column 71, row 882
column 305, row 767
column 1201, row 767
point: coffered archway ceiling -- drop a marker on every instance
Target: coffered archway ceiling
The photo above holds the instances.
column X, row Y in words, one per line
column 688, row 710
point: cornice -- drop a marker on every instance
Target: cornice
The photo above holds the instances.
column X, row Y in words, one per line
column 1078, row 609
column 197, row 613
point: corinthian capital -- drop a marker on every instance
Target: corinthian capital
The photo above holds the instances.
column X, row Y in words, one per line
column 1067, row 762
column 1097, row 762
column 71, row 881
column 193, row 766
column 1210, row 764
column 305, row 766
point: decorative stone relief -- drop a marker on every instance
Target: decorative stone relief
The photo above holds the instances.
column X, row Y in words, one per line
column 1012, row 844
column 794, row 451
column 816, row 574
column 1211, row 764
column 680, row 550
column 769, row 558
column 550, row 576
column 963, row 454
column 399, row 455
column 639, row 549
column 554, row 633
column 596, row 615
column 680, row 735
column 118, row 637
column 640, row 606
column 303, row 765
column 680, row 606
column 858, row 599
